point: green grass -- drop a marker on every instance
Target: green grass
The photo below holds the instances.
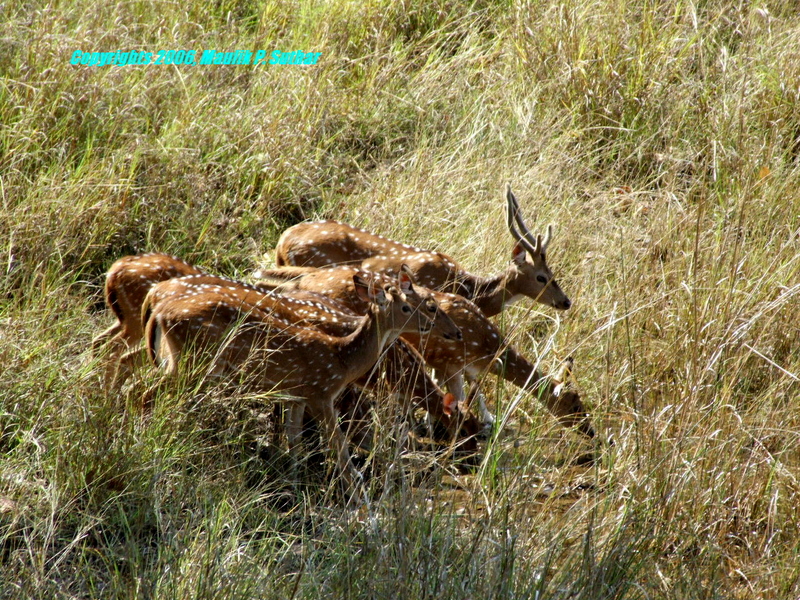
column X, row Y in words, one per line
column 661, row 140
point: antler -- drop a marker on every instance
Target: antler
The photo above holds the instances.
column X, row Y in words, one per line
column 534, row 245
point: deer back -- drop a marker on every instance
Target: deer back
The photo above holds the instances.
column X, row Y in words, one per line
column 527, row 275
column 324, row 243
column 130, row 278
column 336, row 285
column 480, row 339
column 197, row 311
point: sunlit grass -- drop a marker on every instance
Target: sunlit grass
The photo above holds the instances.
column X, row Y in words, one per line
column 661, row 140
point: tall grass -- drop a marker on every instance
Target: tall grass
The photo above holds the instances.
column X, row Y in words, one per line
column 661, row 139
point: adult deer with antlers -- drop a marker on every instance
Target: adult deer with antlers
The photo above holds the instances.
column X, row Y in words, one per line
column 239, row 333
column 330, row 242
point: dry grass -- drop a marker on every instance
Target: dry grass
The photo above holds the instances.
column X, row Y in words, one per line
column 660, row 138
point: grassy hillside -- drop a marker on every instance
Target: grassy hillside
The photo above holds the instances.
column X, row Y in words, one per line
column 662, row 139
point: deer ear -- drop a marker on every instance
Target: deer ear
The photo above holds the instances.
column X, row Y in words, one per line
column 518, row 254
column 362, row 288
column 450, row 404
column 561, row 378
column 405, row 279
column 368, row 290
column 378, row 294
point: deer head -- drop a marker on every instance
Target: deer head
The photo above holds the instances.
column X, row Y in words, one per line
column 529, row 271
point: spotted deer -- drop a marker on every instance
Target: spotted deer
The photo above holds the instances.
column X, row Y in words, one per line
column 481, row 349
column 130, row 279
column 127, row 283
column 242, row 334
column 405, row 369
column 328, row 243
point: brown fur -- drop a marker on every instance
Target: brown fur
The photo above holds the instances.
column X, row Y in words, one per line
column 127, row 283
column 243, row 333
column 328, row 243
column 133, row 276
column 476, row 353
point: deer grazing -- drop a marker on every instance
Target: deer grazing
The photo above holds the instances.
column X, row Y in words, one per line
column 481, row 349
column 241, row 334
column 132, row 277
column 328, row 243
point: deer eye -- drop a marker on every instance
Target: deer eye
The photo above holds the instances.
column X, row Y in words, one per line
column 406, row 309
column 432, row 308
column 541, row 279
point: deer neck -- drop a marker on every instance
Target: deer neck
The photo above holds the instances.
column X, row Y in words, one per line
column 360, row 350
column 515, row 368
column 491, row 294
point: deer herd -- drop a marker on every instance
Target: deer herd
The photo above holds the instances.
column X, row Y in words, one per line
column 341, row 305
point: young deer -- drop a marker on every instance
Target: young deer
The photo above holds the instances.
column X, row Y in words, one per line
column 329, row 243
column 130, row 279
column 404, row 366
column 243, row 337
column 481, row 348
column 127, row 283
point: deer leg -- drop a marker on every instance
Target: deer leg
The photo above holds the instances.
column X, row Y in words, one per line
column 149, row 396
column 487, row 416
column 102, row 339
column 294, row 426
column 130, row 361
column 355, row 410
column 114, row 347
column 327, row 414
column 278, row 423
